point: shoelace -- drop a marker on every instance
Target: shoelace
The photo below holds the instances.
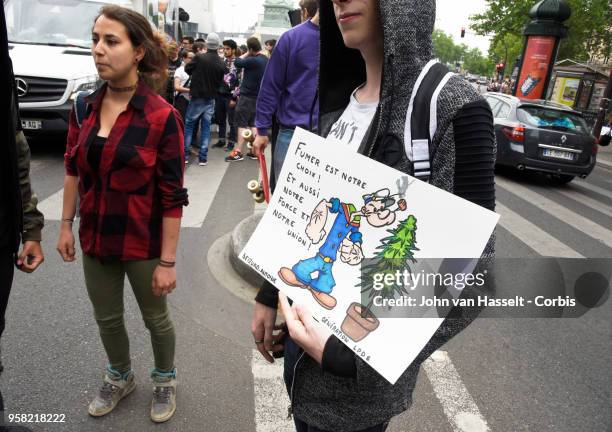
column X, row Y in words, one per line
column 107, row 390
column 162, row 394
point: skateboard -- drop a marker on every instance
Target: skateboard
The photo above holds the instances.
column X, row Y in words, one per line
column 260, row 189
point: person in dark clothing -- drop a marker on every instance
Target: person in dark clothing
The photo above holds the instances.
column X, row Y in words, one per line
column 330, row 388
column 20, row 220
column 206, row 72
column 186, row 45
column 254, row 64
column 224, row 109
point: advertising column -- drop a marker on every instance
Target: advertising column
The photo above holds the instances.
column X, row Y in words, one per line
column 537, row 63
column 542, row 38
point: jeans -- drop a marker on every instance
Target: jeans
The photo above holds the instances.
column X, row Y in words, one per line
column 292, row 353
column 199, row 109
column 280, row 149
column 105, row 288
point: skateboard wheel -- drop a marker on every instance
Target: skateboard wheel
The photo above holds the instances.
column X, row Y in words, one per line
column 259, row 197
column 248, row 136
column 253, row 186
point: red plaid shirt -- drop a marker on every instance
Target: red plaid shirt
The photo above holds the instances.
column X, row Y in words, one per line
column 139, row 181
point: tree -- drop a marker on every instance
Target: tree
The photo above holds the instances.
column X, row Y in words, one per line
column 590, row 27
column 450, row 53
column 475, row 63
column 445, row 49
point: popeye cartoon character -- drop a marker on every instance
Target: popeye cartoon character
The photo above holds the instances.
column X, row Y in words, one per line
column 344, row 240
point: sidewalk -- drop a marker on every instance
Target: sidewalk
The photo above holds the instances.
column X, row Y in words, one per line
column 604, row 156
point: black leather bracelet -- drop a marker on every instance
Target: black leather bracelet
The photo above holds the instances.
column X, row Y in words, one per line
column 168, row 264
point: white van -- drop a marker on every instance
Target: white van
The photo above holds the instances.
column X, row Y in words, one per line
column 50, row 46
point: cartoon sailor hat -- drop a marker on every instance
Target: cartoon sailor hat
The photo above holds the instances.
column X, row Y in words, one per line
column 383, row 195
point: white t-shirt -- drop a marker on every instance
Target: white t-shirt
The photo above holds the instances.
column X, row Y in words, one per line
column 353, row 124
column 183, row 76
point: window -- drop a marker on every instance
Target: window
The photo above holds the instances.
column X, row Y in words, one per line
column 494, row 104
column 548, row 118
column 503, row 110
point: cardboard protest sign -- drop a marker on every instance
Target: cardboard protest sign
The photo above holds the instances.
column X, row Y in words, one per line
column 340, row 223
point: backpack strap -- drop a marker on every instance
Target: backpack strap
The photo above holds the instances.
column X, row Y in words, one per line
column 81, row 107
column 422, row 119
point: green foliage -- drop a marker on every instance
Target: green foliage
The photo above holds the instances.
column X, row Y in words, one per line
column 394, row 254
column 450, row 53
column 590, row 28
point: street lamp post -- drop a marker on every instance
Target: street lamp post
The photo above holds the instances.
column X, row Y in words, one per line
column 542, row 38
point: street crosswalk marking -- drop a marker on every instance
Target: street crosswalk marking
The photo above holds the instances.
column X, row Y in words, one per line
column 52, row 206
column 581, row 223
column 591, row 187
column 202, row 184
column 587, row 201
column 458, row 405
column 271, row 400
column 532, row 235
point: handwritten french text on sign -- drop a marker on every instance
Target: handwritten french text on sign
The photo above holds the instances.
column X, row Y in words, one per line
column 344, row 234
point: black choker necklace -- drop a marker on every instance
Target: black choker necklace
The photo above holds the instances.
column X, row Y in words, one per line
column 123, row 89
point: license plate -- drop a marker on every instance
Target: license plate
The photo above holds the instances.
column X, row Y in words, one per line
column 559, row 154
column 31, row 124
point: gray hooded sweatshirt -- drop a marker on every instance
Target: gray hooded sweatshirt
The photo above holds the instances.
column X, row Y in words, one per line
column 462, row 163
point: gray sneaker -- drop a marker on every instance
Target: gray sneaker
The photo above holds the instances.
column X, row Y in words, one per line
column 112, row 391
column 163, row 404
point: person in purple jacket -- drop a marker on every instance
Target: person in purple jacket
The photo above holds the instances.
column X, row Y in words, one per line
column 289, row 86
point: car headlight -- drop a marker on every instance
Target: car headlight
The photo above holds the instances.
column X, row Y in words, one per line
column 89, row 83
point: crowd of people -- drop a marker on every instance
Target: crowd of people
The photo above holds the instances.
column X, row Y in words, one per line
column 504, row 86
column 207, row 91
column 129, row 141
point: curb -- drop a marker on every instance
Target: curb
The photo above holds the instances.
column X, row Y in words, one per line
column 238, row 239
column 218, row 258
column 604, row 163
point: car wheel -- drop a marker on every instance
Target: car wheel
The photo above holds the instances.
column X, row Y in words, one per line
column 561, row 179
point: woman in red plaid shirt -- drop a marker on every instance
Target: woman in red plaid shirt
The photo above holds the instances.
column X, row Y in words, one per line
column 124, row 158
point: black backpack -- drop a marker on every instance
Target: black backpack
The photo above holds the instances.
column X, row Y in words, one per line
column 422, row 123
column 81, row 107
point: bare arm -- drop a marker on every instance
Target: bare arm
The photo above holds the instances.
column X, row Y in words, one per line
column 178, row 87
column 170, row 237
column 164, row 276
column 65, row 244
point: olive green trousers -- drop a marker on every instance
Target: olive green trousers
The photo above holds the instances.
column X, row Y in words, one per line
column 105, row 283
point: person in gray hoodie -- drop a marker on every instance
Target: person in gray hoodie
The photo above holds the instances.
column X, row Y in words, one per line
column 372, row 53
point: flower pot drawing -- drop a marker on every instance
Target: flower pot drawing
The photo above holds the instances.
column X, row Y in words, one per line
column 359, row 322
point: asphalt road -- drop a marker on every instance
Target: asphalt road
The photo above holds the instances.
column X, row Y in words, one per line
column 522, row 374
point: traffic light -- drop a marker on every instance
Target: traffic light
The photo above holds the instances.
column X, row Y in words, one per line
column 462, row 32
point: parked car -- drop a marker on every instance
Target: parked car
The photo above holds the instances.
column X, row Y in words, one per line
column 542, row 136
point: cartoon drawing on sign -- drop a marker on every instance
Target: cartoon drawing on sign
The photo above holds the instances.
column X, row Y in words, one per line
column 344, row 240
column 394, row 255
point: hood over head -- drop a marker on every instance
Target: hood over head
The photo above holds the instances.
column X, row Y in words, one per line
column 407, row 29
